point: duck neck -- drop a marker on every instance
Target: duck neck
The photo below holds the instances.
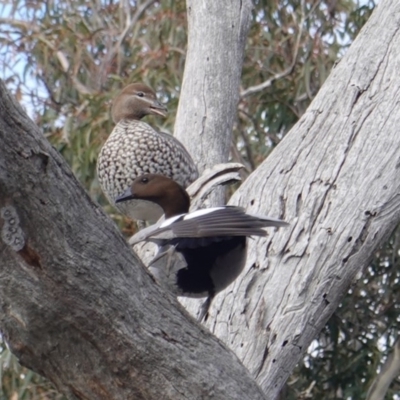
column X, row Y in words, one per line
column 177, row 202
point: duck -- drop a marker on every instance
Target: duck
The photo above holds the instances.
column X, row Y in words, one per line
column 200, row 253
column 135, row 148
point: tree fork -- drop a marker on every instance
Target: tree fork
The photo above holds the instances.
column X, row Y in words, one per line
column 335, row 178
column 77, row 306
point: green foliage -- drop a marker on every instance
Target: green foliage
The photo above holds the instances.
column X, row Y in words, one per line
column 292, row 47
column 79, row 55
column 66, row 60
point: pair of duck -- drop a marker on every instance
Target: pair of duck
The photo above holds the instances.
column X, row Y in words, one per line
column 143, row 173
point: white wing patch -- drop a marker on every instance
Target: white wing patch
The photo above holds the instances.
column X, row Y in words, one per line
column 199, row 213
column 170, row 221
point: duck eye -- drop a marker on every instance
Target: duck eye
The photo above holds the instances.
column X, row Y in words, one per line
column 140, row 94
column 145, row 180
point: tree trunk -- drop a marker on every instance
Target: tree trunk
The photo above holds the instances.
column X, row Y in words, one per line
column 77, row 306
column 210, row 88
column 336, row 178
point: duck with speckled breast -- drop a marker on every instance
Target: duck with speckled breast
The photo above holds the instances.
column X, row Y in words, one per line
column 134, row 148
column 199, row 253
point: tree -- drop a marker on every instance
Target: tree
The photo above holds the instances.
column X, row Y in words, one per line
column 314, row 184
column 80, row 250
column 70, row 284
column 334, row 143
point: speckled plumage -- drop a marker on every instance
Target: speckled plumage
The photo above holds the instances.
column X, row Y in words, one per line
column 134, row 148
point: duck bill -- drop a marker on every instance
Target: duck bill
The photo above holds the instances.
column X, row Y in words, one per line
column 127, row 195
column 159, row 109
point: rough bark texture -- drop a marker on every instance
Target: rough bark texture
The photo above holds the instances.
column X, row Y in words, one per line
column 210, row 88
column 336, row 178
column 76, row 304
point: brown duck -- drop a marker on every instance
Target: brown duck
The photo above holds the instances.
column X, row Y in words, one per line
column 134, row 148
column 202, row 252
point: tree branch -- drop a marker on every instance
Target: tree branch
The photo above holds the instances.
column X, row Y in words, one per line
column 76, row 304
column 390, row 370
column 210, row 88
column 262, row 86
column 335, row 178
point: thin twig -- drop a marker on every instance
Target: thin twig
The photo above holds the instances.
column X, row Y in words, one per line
column 257, row 88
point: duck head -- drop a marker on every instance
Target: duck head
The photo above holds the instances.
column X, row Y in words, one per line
column 159, row 189
column 135, row 102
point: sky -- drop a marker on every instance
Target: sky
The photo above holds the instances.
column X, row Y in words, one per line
column 19, row 65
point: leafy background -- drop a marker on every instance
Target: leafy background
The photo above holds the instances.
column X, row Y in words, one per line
column 65, row 61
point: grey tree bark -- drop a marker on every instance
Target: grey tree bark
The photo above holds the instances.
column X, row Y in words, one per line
column 77, row 305
column 71, row 290
column 210, row 89
column 336, row 178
